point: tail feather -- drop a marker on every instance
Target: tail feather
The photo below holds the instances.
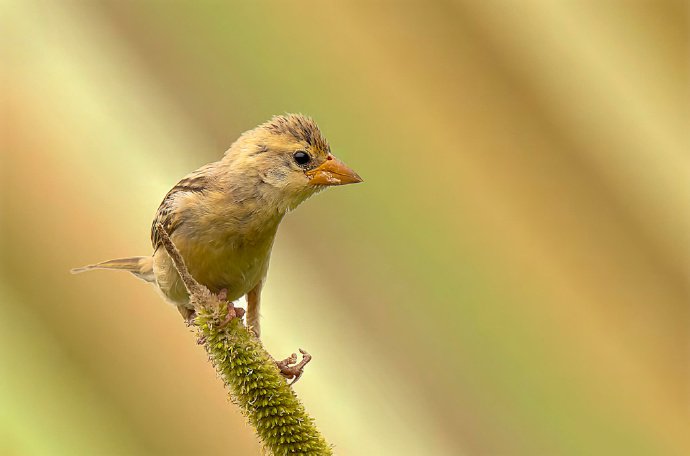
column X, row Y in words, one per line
column 141, row 267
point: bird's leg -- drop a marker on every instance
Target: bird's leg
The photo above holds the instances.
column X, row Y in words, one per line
column 223, row 294
column 253, row 306
column 290, row 370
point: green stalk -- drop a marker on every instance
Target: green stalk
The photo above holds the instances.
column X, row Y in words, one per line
column 254, row 381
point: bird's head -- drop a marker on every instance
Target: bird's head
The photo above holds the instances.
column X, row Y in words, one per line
column 290, row 154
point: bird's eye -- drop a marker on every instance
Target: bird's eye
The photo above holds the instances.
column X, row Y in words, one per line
column 301, row 157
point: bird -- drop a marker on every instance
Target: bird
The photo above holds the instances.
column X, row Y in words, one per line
column 224, row 216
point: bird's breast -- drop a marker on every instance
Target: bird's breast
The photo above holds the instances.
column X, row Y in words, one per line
column 231, row 259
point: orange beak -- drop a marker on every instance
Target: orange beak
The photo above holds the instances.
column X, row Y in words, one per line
column 332, row 172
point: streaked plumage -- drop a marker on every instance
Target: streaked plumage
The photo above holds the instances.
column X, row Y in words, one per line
column 223, row 217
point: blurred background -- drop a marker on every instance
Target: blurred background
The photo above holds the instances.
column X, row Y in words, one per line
column 511, row 279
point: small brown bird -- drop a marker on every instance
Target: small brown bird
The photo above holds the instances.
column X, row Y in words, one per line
column 223, row 217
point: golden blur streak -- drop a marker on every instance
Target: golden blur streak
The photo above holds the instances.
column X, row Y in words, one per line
column 47, row 406
column 345, row 371
column 520, row 242
column 633, row 137
column 91, row 321
column 190, row 404
column 570, row 53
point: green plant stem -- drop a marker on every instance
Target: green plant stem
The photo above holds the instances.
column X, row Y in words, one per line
column 254, row 382
column 258, row 388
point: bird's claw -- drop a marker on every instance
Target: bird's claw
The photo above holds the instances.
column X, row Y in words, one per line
column 292, row 371
column 233, row 312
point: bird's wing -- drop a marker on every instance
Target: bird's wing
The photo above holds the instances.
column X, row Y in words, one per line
column 195, row 182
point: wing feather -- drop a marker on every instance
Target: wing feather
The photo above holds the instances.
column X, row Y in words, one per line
column 195, row 182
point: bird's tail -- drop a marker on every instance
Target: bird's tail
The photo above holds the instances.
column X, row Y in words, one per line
column 141, row 267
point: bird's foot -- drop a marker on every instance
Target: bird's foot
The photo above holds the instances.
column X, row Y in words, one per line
column 233, row 312
column 290, row 370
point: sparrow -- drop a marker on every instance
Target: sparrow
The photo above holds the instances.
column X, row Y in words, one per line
column 224, row 216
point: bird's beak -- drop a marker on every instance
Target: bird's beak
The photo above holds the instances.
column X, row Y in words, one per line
column 332, row 172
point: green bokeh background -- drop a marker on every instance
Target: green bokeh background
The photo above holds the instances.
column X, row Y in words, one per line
column 511, row 279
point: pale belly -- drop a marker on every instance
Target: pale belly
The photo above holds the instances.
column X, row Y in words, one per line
column 235, row 264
